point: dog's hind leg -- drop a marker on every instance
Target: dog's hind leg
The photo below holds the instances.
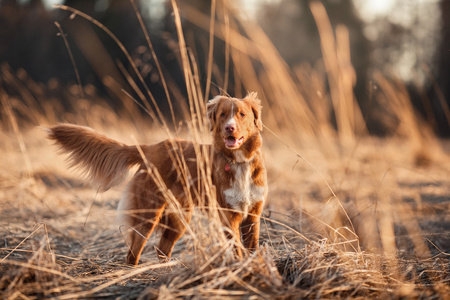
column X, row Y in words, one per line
column 143, row 227
column 174, row 227
column 144, row 208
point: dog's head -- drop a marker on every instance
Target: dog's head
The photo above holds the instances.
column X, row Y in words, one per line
column 234, row 120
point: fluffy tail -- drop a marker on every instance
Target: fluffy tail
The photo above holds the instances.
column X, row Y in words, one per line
column 103, row 160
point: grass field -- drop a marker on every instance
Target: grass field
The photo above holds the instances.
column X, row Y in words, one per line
column 348, row 215
column 384, row 236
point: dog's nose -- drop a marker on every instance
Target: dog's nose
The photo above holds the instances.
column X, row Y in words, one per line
column 230, row 128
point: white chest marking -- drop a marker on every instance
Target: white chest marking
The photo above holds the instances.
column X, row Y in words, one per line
column 243, row 193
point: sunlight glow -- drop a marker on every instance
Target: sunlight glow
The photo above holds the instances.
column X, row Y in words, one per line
column 369, row 10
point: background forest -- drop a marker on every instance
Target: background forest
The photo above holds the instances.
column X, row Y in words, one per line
column 405, row 40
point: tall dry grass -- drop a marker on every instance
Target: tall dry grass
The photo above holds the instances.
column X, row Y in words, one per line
column 336, row 207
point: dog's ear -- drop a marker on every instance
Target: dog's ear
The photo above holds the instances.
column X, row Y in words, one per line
column 255, row 104
column 211, row 109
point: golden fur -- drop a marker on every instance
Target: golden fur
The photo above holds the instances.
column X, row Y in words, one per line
column 170, row 169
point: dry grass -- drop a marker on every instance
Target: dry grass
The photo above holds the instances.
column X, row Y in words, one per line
column 348, row 215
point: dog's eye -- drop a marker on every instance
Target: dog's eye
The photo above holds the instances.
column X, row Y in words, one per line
column 242, row 114
column 222, row 115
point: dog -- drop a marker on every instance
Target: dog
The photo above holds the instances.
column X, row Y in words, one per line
column 171, row 169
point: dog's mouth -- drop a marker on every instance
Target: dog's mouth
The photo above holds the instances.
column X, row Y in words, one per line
column 232, row 143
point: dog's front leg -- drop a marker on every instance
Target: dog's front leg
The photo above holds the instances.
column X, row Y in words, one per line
column 232, row 220
column 250, row 227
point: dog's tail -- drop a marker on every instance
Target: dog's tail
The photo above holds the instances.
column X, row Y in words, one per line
column 103, row 160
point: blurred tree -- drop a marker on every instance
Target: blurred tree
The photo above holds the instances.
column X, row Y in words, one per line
column 291, row 27
column 408, row 39
column 26, row 33
column 404, row 35
column 196, row 17
column 441, row 93
column 97, row 54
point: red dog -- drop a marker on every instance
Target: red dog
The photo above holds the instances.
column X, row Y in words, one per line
column 171, row 170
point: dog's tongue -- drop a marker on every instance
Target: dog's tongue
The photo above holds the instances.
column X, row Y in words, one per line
column 231, row 142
